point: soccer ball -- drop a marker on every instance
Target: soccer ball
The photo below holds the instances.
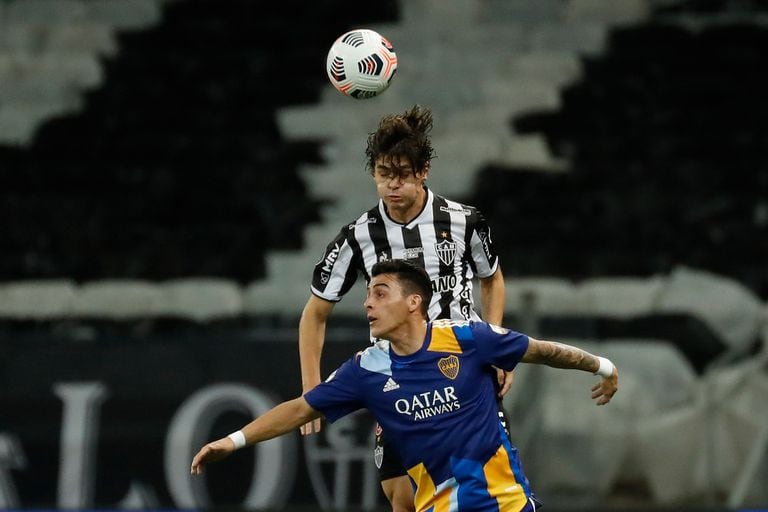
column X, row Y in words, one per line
column 361, row 63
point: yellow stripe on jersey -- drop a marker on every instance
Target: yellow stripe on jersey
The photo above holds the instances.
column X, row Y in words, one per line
column 501, row 482
column 444, row 340
column 425, row 491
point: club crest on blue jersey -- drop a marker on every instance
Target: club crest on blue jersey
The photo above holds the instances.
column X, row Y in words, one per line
column 449, row 366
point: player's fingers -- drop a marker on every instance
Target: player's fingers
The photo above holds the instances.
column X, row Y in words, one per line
column 509, row 377
column 195, row 469
column 310, row 428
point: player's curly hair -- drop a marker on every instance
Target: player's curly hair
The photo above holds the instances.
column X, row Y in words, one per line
column 402, row 135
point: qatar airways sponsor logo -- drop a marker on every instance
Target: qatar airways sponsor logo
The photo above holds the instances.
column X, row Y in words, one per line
column 429, row 404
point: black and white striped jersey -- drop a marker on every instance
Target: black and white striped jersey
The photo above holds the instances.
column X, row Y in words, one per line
column 452, row 241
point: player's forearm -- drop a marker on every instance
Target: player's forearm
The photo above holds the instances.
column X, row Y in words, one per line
column 284, row 418
column 311, row 340
column 560, row 355
column 492, row 298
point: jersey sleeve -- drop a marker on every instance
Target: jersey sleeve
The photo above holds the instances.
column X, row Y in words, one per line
column 484, row 257
column 335, row 273
column 339, row 395
column 499, row 346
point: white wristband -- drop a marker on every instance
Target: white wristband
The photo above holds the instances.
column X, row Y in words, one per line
column 238, row 438
column 606, row 367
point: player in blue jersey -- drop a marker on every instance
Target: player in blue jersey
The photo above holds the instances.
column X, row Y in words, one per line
column 422, row 383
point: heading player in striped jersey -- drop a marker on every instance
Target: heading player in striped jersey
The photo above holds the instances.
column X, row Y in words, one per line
column 423, row 382
column 450, row 240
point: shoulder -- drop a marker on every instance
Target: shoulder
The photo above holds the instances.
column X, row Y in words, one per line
column 451, row 206
column 449, row 331
column 368, row 217
column 374, row 358
column 449, row 323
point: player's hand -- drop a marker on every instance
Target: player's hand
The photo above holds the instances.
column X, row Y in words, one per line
column 504, row 379
column 604, row 390
column 211, row 452
column 313, row 427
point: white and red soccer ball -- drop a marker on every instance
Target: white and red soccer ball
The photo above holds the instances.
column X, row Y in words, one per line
column 361, row 63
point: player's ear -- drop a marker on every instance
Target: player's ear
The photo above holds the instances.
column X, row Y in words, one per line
column 414, row 302
column 425, row 171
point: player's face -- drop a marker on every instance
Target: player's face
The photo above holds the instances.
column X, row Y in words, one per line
column 400, row 186
column 385, row 305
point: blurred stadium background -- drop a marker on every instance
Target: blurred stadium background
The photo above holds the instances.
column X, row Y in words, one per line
column 170, row 170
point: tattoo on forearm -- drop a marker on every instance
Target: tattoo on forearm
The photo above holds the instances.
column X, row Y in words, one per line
column 565, row 356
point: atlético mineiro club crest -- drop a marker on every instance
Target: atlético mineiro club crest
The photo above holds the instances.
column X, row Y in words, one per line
column 449, row 366
column 446, row 251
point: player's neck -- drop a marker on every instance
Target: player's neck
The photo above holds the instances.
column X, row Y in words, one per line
column 406, row 216
column 408, row 338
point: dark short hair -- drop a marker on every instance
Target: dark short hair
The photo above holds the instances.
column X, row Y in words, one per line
column 412, row 278
column 402, row 135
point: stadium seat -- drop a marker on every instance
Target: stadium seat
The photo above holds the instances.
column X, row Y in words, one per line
column 118, row 300
column 613, row 13
column 721, row 418
column 87, row 36
column 622, row 297
column 730, row 309
column 261, row 298
column 202, row 299
column 125, row 14
column 45, row 11
column 578, row 446
column 551, row 296
column 37, row 300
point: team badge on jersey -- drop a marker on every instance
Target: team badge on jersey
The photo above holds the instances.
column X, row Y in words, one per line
column 378, row 456
column 449, row 366
column 446, row 251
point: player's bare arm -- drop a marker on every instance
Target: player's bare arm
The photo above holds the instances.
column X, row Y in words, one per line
column 281, row 419
column 492, row 297
column 492, row 304
column 312, row 326
column 560, row 355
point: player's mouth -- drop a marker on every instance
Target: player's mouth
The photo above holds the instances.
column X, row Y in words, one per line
column 371, row 319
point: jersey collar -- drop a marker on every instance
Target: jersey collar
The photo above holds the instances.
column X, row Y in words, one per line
column 426, row 208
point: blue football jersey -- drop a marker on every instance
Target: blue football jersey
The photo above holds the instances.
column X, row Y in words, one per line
column 439, row 408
